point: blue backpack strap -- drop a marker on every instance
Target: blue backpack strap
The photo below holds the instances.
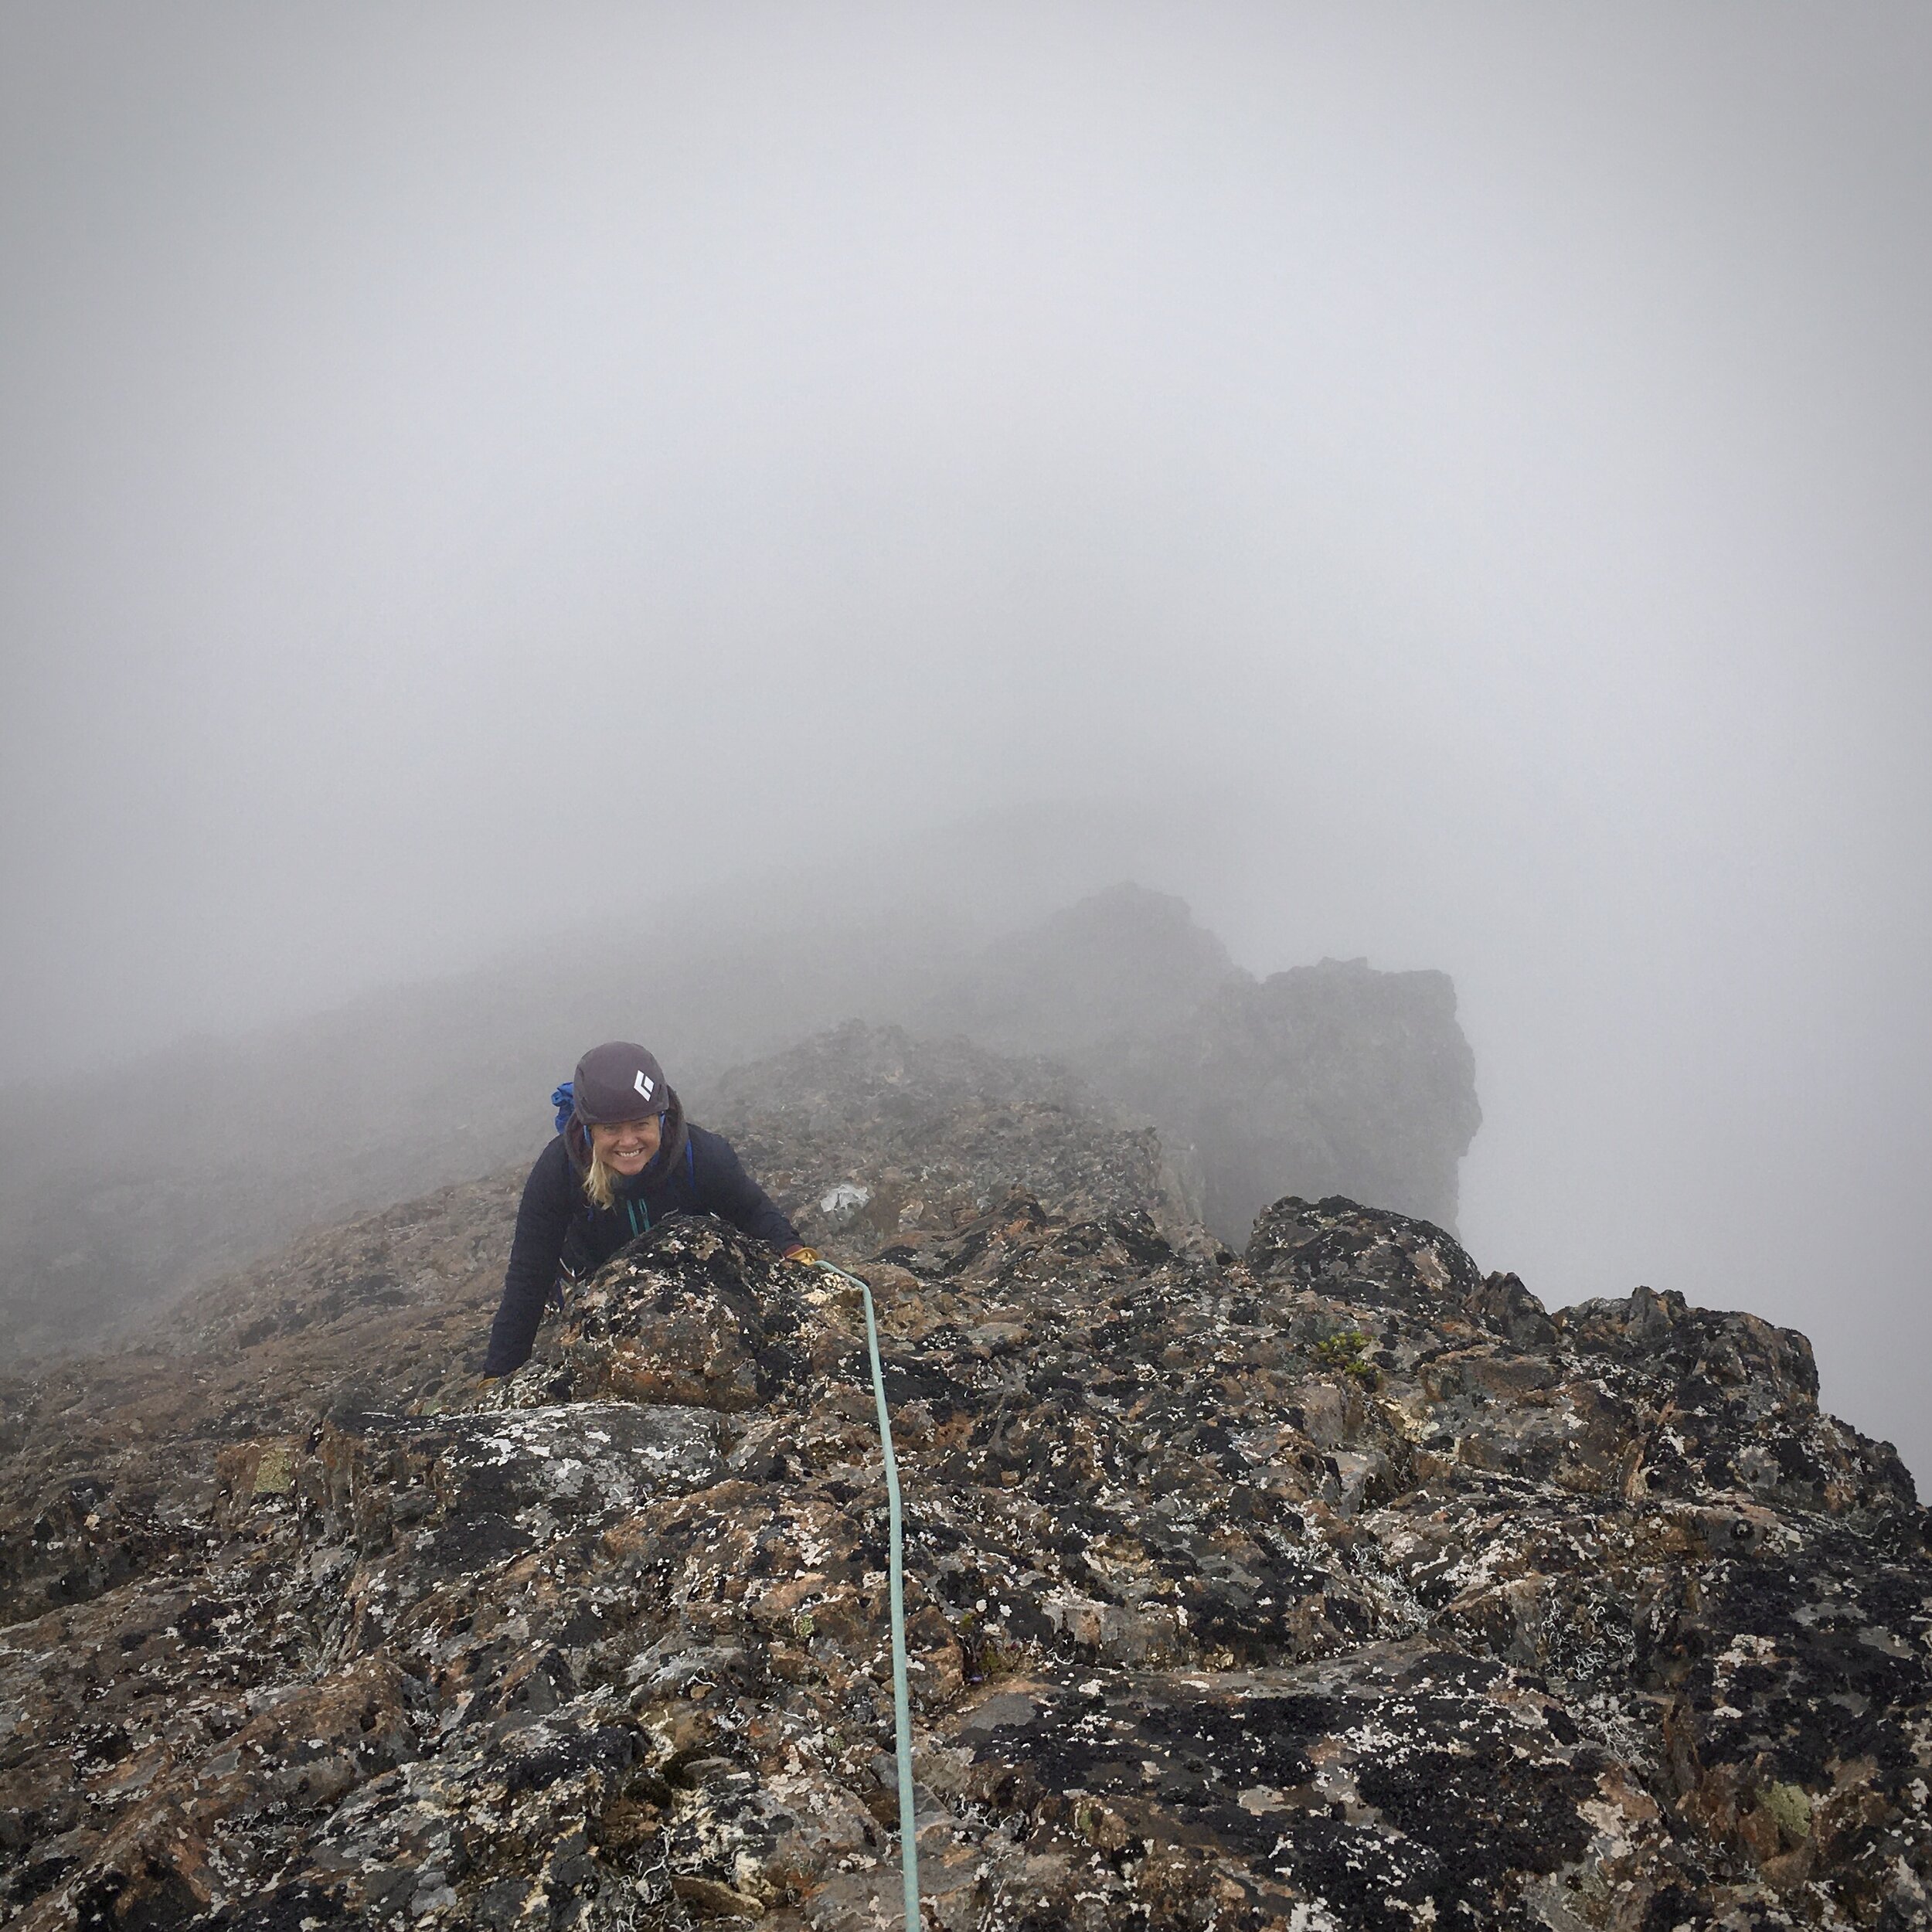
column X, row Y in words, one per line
column 564, row 1100
column 691, row 1168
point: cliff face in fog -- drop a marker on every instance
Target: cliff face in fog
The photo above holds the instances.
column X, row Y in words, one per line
column 1337, row 1585
column 1333, row 1078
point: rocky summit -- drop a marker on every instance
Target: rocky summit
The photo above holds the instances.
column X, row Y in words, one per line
column 1337, row 1584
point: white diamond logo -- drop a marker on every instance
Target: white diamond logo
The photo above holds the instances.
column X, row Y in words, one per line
column 644, row 1086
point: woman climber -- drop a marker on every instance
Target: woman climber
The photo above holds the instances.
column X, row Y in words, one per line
column 624, row 1157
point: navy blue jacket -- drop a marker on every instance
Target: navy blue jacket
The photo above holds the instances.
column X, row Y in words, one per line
column 697, row 1173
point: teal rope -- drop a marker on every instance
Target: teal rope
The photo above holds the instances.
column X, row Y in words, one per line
column 902, row 1702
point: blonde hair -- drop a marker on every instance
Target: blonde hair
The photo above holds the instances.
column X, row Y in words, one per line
column 598, row 1178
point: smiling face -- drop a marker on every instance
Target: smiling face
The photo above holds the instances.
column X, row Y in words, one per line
column 627, row 1147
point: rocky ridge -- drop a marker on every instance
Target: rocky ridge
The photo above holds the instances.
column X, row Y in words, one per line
column 1325, row 1079
column 1336, row 1585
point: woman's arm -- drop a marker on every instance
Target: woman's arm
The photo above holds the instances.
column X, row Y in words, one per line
column 549, row 1199
column 724, row 1188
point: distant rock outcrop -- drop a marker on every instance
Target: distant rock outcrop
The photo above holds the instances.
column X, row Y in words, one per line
column 1338, row 1586
column 1332, row 1079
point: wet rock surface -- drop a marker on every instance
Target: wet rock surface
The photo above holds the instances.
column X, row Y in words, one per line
column 1336, row 1585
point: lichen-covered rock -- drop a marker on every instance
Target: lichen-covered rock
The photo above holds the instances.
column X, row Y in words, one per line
column 1336, row 1586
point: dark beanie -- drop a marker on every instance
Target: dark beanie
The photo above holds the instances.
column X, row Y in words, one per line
column 619, row 1081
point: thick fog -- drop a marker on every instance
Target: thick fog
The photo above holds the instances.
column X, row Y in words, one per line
column 1447, row 484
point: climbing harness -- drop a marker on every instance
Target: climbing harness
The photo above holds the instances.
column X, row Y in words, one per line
column 902, row 1706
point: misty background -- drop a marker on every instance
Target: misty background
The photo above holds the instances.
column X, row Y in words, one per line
column 1450, row 486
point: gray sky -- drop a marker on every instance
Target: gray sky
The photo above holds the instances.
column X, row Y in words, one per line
column 1474, row 464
